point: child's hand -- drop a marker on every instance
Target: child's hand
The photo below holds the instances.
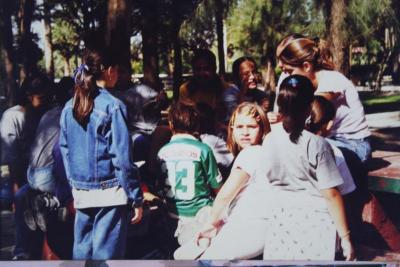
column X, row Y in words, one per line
column 149, row 197
column 137, row 215
column 205, row 235
column 348, row 250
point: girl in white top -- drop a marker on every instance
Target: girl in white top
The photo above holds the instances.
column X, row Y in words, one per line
column 311, row 58
column 242, row 233
column 301, row 170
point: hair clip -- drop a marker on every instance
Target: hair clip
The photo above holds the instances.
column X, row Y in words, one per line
column 293, row 82
column 79, row 71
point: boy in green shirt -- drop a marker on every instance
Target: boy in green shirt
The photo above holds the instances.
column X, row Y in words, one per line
column 189, row 171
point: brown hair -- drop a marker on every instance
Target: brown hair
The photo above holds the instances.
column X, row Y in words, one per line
column 294, row 50
column 248, row 109
column 95, row 63
column 294, row 100
column 184, row 117
column 322, row 111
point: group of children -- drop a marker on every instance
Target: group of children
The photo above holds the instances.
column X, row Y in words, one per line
column 235, row 187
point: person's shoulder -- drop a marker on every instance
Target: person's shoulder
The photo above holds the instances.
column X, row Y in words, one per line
column 17, row 110
column 332, row 78
column 108, row 102
column 316, row 143
column 143, row 90
column 228, row 86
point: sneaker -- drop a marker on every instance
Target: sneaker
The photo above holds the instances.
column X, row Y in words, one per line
column 21, row 257
column 29, row 220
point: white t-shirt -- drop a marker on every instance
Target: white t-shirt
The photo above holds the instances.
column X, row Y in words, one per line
column 348, row 185
column 349, row 122
column 350, row 119
column 255, row 194
column 303, row 168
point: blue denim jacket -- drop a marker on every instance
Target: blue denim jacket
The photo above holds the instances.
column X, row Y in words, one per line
column 98, row 156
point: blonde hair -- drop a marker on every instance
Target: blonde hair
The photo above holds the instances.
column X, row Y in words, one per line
column 295, row 51
column 254, row 111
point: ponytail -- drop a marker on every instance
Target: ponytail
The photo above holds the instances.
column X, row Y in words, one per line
column 324, row 57
column 295, row 97
column 85, row 86
column 85, row 76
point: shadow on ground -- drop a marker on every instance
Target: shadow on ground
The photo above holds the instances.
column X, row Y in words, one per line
column 386, row 139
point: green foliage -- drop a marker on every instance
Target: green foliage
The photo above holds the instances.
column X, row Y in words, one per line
column 377, row 100
column 256, row 26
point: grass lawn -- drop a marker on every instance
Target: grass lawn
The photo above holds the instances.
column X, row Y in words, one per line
column 380, row 102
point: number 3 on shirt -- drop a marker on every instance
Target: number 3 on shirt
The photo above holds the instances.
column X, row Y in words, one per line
column 181, row 177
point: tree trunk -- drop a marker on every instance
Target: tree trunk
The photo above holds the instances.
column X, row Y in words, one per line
column 387, row 53
column 150, row 43
column 8, row 53
column 67, row 67
column 48, row 42
column 25, row 19
column 219, row 11
column 118, row 30
column 338, row 39
column 177, row 74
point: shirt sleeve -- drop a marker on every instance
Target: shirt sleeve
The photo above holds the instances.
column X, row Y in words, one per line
column 120, row 144
column 214, row 177
column 64, row 144
column 231, row 99
column 327, row 172
column 246, row 160
column 9, row 135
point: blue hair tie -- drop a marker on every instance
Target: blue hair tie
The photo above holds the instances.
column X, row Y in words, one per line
column 79, row 71
column 293, row 82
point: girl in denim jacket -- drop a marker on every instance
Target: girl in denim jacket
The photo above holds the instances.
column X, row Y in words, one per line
column 94, row 143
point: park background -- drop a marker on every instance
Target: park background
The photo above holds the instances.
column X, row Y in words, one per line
column 155, row 38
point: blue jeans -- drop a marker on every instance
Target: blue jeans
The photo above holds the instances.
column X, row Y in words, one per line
column 361, row 147
column 100, row 233
column 27, row 242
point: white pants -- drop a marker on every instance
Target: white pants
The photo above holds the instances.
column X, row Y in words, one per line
column 238, row 239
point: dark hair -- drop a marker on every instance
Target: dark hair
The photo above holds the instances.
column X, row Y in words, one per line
column 95, row 61
column 294, row 50
column 64, row 89
column 184, row 117
column 236, row 68
column 37, row 83
column 206, row 55
column 322, row 111
column 295, row 97
column 206, row 119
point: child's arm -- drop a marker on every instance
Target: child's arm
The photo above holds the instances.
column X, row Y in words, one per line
column 236, row 180
column 337, row 212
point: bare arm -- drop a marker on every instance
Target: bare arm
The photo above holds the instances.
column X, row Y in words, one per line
column 236, row 180
column 337, row 212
